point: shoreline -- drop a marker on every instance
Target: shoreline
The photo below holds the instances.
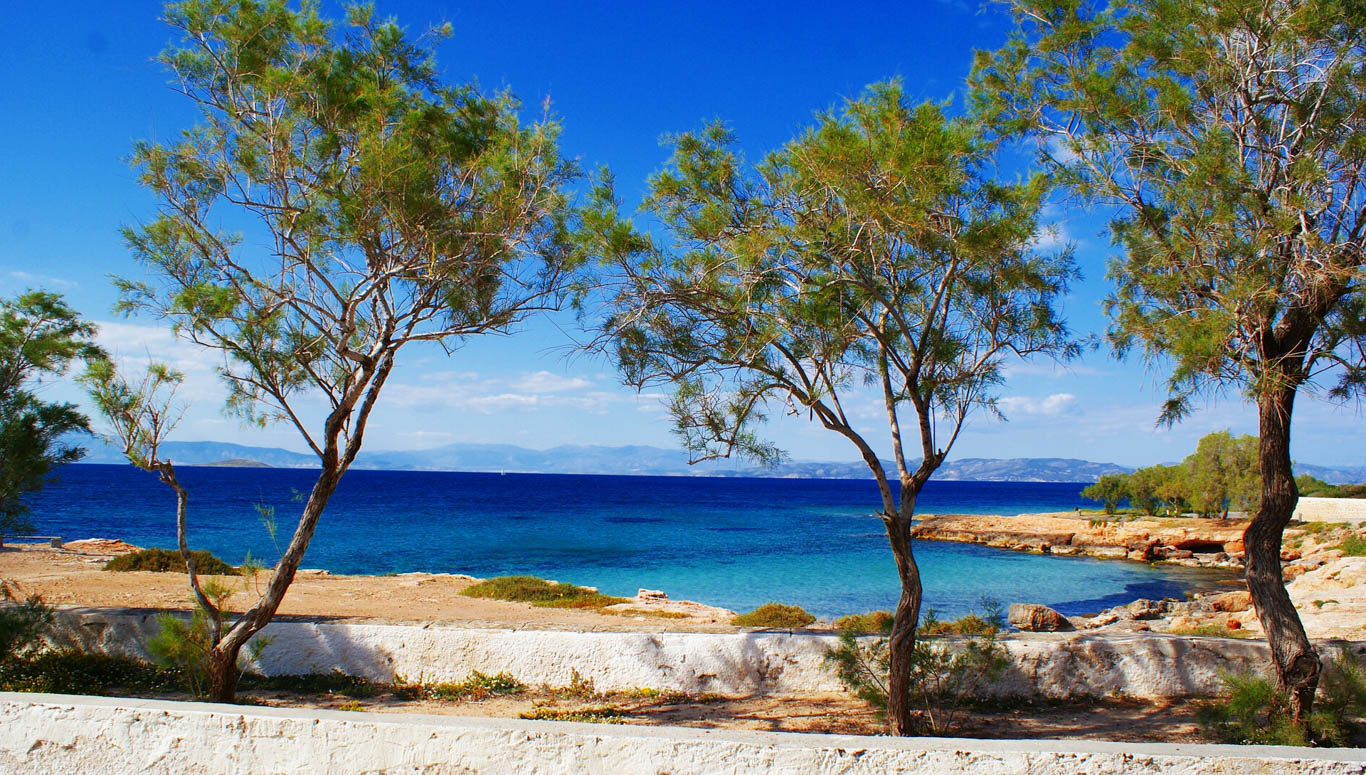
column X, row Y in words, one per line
column 1330, row 595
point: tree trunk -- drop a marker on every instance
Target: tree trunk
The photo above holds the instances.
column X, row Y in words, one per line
column 1294, row 659
column 223, row 673
column 906, row 619
column 223, row 659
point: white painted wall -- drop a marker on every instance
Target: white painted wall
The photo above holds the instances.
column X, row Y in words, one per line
column 58, row 735
column 1352, row 510
column 1145, row 665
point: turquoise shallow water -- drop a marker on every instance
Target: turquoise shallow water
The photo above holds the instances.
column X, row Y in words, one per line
column 730, row 542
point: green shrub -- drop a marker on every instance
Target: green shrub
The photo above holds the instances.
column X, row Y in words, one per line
column 1253, row 711
column 945, row 677
column 187, row 647
column 774, row 615
column 1353, row 546
column 22, row 626
column 169, row 561
column 477, row 686
column 335, row 682
column 603, row 714
column 539, row 592
column 74, row 672
column 870, row 623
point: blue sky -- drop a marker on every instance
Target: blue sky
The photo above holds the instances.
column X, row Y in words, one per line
column 78, row 86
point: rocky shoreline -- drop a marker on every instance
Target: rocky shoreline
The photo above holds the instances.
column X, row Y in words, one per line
column 1325, row 584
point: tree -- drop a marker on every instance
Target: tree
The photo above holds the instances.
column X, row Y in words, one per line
column 1109, row 489
column 380, row 208
column 1222, row 473
column 39, row 335
column 869, row 255
column 1230, row 139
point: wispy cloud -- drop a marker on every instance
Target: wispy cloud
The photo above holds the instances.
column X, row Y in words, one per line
column 1050, row 406
column 41, row 280
column 546, row 382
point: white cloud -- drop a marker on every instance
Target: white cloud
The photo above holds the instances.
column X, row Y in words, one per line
column 546, row 382
column 1052, row 406
column 41, row 280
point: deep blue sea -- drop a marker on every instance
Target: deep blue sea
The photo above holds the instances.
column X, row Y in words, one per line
column 736, row 543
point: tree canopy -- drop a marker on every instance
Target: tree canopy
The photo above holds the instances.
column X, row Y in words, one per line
column 376, row 207
column 40, row 336
column 868, row 275
column 1229, row 139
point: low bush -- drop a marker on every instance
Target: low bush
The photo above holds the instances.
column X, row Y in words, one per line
column 74, row 672
column 1211, row 631
column 169, row 561
column 539, row 592
column 870, row 623
column 22, row 626
column 1252, row 710
column 605, row 714
column 945, row 677
column 774, row 615
column 335, row 682
column 477, row 686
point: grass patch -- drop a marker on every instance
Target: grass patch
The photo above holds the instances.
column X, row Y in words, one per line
column 774, row 615
column 655, row 614
column 1211, row 631
column 673, row 696
column 1353, row 546
column 601, row 714
column 539, row 592
column 167, row 561
column 870, row 623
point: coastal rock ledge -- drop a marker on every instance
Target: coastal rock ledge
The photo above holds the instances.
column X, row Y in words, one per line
column 1032, row 617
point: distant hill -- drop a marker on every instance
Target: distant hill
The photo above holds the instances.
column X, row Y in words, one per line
column 643, row 460
column 237, row 462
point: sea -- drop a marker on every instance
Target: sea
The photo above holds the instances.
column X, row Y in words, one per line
column 731, row 542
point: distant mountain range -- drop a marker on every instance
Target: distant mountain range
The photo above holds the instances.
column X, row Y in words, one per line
column 642, row 460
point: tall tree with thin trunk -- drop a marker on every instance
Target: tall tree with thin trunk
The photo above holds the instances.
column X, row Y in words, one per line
column 40, row 336
column 377, row 208
column 1230, row 139
column 867, row 275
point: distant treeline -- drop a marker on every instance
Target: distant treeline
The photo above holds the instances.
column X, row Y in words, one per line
column 1219, row 477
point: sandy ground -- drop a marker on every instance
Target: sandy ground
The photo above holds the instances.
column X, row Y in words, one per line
column 74, row 576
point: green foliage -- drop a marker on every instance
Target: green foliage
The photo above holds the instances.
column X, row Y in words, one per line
column 1222, row 474
column 39, row 336
column 1253, row 711
column 74, row 672
column 598, row 714
column 1110, row 489
column 22, row 625
column 945, row 676
column 1353, row 546
column 539, row 592
column 870, row 623
column 160, row 560
column 476, row 686
column 774, row 615
column 1239, row 262
column 335, row 682
column 188, row 647
column 1211, row 631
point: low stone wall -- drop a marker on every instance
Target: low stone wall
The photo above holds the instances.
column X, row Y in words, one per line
column 1140, row 665
column 59, row 734
column 1352, row 510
